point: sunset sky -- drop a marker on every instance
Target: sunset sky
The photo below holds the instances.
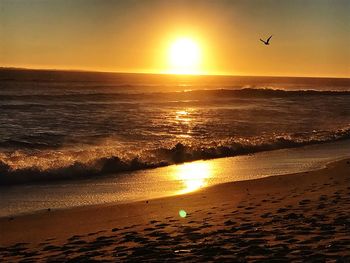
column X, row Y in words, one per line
column 311, row 37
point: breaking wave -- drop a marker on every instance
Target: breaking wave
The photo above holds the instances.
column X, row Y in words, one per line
column 21, row 167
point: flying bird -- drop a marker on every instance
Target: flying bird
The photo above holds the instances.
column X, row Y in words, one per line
column 267, row 42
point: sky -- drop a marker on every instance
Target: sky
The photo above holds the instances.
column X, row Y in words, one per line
column 310, row 37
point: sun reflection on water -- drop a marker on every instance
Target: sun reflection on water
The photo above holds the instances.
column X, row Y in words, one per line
column 183, row 121
column 193, row 175
column 183, row 116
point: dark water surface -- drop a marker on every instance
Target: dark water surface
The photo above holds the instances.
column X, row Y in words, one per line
column 56, row 124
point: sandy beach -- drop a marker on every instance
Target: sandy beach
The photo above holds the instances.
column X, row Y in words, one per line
column 297, row 217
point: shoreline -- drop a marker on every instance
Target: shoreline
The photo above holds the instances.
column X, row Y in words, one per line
column 111, row 204
column 166, row 181
column 113, row 165
column 300, row 210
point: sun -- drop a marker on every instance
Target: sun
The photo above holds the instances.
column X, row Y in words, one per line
column 184, row 56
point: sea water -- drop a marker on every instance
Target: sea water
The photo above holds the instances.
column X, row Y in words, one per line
column 103, row 132
column 56, row 124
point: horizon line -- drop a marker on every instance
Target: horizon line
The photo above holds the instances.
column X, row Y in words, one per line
column 168, row 74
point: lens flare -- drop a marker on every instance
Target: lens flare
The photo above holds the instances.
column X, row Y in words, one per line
column 182, row 213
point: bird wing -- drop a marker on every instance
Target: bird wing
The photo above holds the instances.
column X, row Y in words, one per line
column 268, row 39
column 262, row 41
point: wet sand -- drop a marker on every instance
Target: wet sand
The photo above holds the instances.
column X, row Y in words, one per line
column 298, row 217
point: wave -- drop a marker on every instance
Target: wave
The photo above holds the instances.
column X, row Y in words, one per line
column 12, row 173
column 234, row 91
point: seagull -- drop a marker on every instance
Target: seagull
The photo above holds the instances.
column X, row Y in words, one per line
column 267, row 42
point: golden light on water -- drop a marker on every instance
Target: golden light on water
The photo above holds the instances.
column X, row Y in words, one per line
column 182, row 112
column 183, row 119
column 183, row 116
column 184, row 56
column 193, row 176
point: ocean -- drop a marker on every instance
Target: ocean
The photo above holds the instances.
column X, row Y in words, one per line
column 68, row 125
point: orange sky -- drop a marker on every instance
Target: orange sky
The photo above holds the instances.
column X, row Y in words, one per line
column 311, row 38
